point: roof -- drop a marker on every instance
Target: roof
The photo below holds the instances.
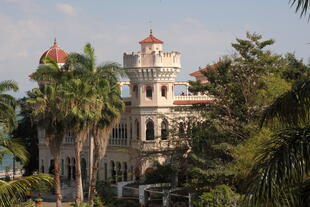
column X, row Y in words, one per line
column 151, row 39
column 56, row 53
column 199, row 72
column 189, row 102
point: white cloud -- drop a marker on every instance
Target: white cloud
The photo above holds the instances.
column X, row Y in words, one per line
column 66, row 9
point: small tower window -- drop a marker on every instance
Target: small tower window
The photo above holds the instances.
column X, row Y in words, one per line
column 164, row 130
column 135, row 90
column 150, row 130
column 137, row 129
column 164, row 91
column 149, row 92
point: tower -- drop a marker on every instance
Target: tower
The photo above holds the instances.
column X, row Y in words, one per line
column 152, row 73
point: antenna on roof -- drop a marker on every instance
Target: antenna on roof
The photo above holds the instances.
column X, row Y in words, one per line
column 150, row 24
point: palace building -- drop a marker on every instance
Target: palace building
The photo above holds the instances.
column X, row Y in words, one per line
column 144, row 125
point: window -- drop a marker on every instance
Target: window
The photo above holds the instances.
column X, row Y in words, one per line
column 150, row 130
column 149, row 92
column 164, row 130
column 164, row 91
column 181, row 129
column 135, row 90
column 137, row 129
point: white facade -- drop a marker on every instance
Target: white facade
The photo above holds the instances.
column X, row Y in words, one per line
column 144, row 124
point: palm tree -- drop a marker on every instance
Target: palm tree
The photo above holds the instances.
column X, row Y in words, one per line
column 301, row 5
column 48, row 111
column 113, row 105
column 106, row 100
column 284, row 165
column 82, row 107
column 7, row 104
column 12, row 192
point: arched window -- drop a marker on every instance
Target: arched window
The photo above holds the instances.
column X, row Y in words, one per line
column 181, row 129
column 149, row 130
column 125, row 173
column 73, row 168
column 62, row 167
column 164, row 130
column 68, row 168
column 137, row 129
column 135, row 90
column 42, row 166
column 149, row 92
column 119, row 172
column 113, row 171
column 164, row 91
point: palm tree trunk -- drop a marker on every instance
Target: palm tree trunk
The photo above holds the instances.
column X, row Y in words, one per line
column 79, row 198
column 100, row 146
column 93, row 180
column 57, row 180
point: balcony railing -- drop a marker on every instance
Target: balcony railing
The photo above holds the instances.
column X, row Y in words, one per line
column 192, row 97
column 119, row 142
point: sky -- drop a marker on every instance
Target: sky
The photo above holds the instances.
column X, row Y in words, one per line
column 202, row 30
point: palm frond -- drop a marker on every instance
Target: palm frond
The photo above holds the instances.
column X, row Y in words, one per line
column 13, row 191
column 282, row 164
column 301, row 6
column 8, row 85
column 291, row 109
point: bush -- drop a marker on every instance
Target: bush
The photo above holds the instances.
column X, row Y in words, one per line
column 220, row 196
column 162, row 174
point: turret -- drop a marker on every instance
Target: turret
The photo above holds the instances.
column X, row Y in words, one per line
column 152, row 73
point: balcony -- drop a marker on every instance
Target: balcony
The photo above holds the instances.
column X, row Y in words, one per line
column 192, row 98
column 119, row 142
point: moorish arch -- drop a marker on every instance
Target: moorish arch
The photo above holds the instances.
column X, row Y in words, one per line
column 149, row 133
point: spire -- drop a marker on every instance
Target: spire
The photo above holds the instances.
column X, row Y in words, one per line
column 151, row 32
column 55, row 42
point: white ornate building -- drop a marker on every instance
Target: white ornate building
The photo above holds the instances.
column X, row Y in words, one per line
column 144, row 124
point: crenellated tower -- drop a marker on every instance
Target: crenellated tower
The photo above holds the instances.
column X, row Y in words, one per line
column 152, row 73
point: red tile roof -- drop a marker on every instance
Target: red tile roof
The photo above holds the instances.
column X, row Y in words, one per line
column 151, row 39
column 189, row 102
column 198, row 73
column 56, row 53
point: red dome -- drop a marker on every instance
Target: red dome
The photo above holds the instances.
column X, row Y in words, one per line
column 56, row 53
column 151, row 39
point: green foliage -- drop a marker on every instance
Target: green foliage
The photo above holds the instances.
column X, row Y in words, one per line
column 224, row 147
column 220, row 196
column 80, row 205
column 7, row 105
column 301, row 6
column 14, row 191
column 26, row 131
column 161, row 174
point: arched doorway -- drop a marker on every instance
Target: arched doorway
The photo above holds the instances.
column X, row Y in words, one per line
column 68, row 168
column 164, row 129
column 73, row 168
column 125, row 175
column 119, row 172
column 149, row 130
column 113, row 172
column 51, row 169
column 84, row 169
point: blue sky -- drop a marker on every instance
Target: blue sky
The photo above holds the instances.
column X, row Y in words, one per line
column 202, row 30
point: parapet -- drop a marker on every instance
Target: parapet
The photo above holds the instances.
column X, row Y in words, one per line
column 155, row 59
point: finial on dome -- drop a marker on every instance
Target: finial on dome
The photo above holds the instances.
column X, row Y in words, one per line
column 55, row 42
column 151, row 32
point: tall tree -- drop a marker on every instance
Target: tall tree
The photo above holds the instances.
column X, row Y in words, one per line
column 106, row 101
column 241, row 85
column 7, row 104
column 280, row 177
column 48, row 111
